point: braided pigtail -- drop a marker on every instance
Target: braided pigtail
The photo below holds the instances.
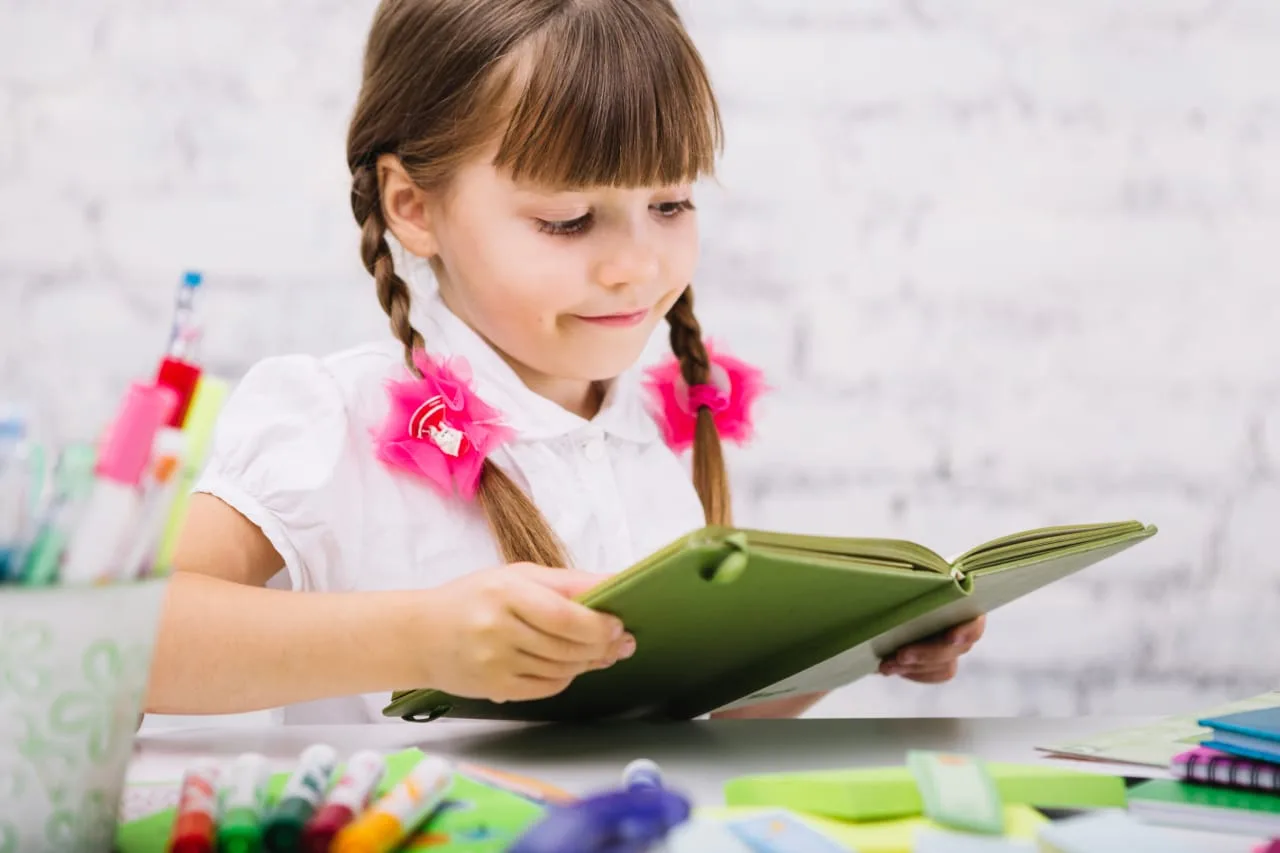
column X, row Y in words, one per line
column 709, row 475
column 522, row 533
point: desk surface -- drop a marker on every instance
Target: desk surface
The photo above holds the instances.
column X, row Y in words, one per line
column 698, row 757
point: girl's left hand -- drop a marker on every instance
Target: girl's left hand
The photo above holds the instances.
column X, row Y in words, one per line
column 936, row 659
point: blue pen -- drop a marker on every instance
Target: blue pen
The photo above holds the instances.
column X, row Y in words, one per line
column 15, row 494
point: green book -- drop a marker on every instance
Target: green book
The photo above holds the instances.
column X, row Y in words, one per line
column 728, row 617
column 1208, row 808
column 886, row 793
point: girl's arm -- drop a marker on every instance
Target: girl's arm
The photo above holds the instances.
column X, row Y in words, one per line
column 226, row 644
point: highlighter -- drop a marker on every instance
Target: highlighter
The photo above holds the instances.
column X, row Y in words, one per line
column 210, row 396
column 111, row 512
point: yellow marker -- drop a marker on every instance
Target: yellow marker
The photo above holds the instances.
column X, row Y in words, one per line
column 206, row 403
column 394, row 817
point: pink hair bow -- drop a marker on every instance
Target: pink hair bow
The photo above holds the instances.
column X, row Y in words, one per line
column 732, row 390
column 438, row 428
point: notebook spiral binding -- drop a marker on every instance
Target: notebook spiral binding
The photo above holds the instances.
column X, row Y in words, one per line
column 1228, row 771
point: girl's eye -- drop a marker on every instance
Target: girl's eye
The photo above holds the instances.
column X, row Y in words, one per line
column 672, row 209
column 567, row 227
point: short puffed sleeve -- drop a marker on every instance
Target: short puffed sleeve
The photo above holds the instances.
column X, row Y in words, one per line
column 283, row 457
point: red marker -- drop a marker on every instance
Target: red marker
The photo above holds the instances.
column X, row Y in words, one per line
column 196, row 826
column 348, row 798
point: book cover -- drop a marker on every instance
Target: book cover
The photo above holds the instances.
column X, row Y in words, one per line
column 1262, row 723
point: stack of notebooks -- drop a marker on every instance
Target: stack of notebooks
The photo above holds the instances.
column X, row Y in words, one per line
column 1230, row 783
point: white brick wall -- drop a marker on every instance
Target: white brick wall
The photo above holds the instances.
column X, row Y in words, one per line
column 1009, row 264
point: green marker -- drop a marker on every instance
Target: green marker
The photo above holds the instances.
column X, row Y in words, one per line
column 244, row 799
column 301, row 797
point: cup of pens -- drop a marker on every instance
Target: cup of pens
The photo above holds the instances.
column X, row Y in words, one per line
column 81, row 590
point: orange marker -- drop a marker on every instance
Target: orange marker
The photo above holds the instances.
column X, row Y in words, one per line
column 392, row 818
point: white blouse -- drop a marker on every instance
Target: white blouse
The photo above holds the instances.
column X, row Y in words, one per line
column 293, row 453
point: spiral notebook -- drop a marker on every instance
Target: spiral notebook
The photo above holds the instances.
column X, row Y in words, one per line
column 727, row 618
column 1212, row 767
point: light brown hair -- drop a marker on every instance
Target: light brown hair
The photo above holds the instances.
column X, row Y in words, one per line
column 591, row 93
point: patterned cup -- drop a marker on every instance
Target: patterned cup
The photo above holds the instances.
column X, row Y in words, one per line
column 73, row 671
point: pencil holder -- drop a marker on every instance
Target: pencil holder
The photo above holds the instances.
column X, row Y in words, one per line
column 74, row 662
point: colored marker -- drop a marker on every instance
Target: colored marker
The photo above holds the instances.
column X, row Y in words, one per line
column 196, row 826
column 392, row 818
column 244, row 800
column 640, row 774
column 160, row 488
column 73, row 483
column 347, row 799
column 301, row 797
column 111, row 511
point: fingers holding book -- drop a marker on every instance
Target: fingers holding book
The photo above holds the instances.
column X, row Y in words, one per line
column 936, row 659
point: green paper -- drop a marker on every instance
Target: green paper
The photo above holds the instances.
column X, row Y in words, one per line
column 885, row 793
column 477, row 817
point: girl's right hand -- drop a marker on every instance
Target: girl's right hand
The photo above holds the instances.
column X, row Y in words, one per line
column 514, row 633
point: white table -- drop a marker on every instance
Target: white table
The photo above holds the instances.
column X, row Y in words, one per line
column 698, row 757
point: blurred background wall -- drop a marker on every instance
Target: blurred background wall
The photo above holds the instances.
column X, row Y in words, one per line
column 1007, row 264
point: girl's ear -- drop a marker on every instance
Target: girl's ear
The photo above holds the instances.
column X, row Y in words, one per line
column 405, row 208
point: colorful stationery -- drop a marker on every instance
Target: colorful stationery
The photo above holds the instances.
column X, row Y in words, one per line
column 883, row 793
column 1156, row 743
column 1208, row 808
column 480, row 814
column 1252, row 734
column 1210, row 767
column 824, row 612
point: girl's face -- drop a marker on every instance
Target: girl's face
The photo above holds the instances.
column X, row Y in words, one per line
column 567, row 285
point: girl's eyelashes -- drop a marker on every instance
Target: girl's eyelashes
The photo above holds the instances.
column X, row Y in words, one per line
column 565, row 227
column 672, row 209
column 573, row 227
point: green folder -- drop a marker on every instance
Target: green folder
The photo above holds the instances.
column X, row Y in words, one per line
column 729, row 617
column 887, row 793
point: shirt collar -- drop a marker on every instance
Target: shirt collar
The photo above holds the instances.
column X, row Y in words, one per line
column 532, row 416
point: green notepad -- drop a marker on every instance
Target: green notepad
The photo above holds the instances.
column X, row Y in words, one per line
column 476, row 818
column 1208, row 808
column 885, row 793
column 727, row 618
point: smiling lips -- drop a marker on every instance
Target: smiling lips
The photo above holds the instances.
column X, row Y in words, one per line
column 615, row 320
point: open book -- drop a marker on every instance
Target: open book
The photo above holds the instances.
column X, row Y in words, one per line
column 727, row 618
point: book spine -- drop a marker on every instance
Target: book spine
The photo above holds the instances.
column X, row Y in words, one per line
column 1227, row 771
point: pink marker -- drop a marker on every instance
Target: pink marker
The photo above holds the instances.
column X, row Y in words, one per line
column 111, row 513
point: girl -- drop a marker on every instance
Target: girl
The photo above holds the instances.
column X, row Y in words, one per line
column 428, row 490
